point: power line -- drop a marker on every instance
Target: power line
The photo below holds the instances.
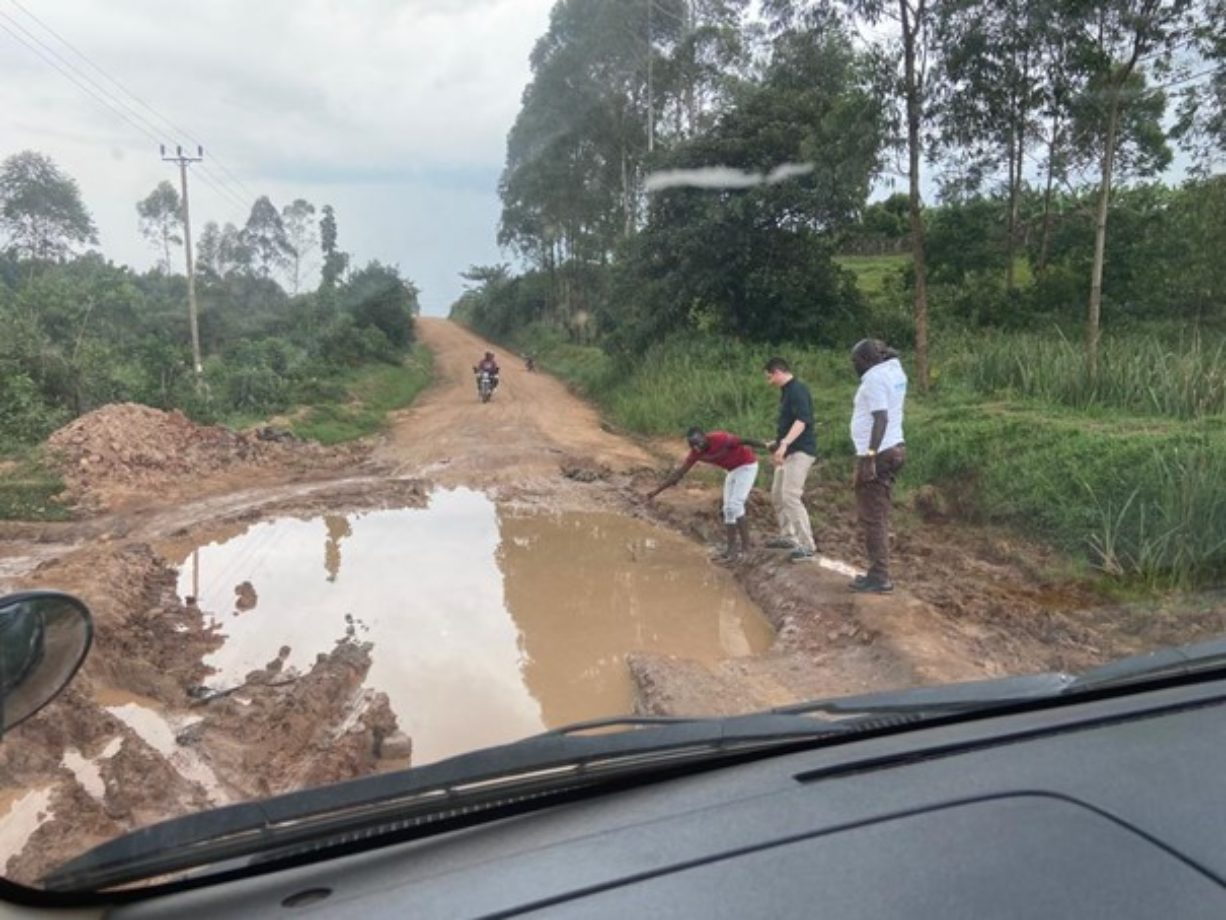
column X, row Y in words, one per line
column 187, row 135
column 101, row 100
column 228, row 198
column 99, row 94
column 133, row 117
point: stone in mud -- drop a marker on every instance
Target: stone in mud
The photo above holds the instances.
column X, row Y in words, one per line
column 585, row 471
column 396, row 746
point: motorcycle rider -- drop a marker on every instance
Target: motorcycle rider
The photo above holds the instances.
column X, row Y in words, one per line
column 487, row 365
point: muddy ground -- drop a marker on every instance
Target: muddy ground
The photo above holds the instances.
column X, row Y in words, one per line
column 976, row 603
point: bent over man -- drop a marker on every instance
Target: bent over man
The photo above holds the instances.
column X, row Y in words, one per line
column 733, row 454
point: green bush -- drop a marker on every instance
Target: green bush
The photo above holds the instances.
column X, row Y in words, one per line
column 25, row 416
column 368, row 396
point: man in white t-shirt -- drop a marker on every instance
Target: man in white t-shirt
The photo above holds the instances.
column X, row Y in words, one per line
column 876, row 432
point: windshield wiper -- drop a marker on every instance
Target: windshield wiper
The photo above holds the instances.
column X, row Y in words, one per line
column 1174, row 661
column 982, row 695
column 494, row 782
column 970, row 696
column 489, row 781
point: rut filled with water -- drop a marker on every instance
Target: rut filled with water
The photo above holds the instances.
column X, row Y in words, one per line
column 487, row 624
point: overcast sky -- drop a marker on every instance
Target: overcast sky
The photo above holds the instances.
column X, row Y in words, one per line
column 395, row 112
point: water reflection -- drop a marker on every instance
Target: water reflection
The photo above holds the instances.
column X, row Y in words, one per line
column 584, row 589
column 485, row 626
column 338, row 529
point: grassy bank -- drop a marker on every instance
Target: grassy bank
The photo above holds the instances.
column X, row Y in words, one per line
column 28, row 489
column 366, row 397
column 1130, row 476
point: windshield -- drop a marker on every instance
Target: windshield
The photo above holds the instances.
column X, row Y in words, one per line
column 399, row 380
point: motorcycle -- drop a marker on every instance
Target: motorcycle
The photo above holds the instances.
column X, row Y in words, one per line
column 485, row 385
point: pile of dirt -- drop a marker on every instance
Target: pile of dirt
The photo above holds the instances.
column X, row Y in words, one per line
column 124, row 448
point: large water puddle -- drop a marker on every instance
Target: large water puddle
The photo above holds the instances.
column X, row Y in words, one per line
column 487, row 625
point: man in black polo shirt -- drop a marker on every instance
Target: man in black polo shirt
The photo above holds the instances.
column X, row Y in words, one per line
column 793, row 452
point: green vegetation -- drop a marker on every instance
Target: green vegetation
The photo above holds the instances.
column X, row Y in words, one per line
column 875, row 275
column 28, row 489
column 371, row 394
column 81, row 332
column 1073, row 383
column 1181, row 376
column 1141, row 495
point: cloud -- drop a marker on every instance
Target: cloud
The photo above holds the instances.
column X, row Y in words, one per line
column 722, row 177
column 313, row 99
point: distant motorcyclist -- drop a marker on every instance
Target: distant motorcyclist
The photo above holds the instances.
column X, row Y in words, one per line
column 487, row 365
column 530, row 362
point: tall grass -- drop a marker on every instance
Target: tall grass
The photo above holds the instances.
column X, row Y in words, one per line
column 369, row 396
column 715, row 382
column 1184, row 378
column 1172, row 532
column 1141, row 500
column 30, row 488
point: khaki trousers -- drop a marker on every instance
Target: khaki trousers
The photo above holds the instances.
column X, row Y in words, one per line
column 787, row 490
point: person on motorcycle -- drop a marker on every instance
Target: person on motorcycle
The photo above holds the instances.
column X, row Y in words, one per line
column 487, row 365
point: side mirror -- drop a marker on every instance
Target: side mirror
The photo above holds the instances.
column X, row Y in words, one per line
column 44, row 637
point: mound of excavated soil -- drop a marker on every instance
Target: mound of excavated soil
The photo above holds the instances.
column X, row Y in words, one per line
column 126, row 447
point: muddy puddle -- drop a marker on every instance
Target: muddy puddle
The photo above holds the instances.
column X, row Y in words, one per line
column 486, row 624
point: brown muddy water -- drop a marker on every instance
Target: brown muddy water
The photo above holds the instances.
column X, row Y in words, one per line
column 487, row 624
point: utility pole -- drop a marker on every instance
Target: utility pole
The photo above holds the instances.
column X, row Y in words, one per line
column 183, row 160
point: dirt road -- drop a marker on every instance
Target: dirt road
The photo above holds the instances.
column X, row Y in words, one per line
column 147, row 705
column 517, row 439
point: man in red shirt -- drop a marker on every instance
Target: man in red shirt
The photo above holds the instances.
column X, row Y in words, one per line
column 735, row 455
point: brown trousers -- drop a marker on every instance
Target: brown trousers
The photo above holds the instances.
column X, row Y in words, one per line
column 873, row 508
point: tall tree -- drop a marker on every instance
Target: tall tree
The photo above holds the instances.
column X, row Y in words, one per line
column 710, row 56
column 234, row 255
column 1202, row 116
column 161, row 216
column 1065, row 75
column 41, row 211
column 299, row 220
column 264, row 235
column 576, row 155
column 992, row 90
column 1121, row 38
column 208, row 250
column 907, row 47
column 903, row 43
column 334, row 260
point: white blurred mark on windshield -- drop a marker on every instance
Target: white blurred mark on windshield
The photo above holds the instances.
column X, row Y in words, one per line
column 723, row 177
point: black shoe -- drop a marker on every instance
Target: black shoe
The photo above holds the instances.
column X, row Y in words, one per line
column 801, row 555
column 865, row 585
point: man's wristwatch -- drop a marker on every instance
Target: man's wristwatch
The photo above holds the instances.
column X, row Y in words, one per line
column 871, row 453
